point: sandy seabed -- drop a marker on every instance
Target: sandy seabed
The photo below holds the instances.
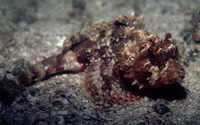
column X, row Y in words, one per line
column 34, row 30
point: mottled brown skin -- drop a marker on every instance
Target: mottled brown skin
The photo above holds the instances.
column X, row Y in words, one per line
column 115, row 56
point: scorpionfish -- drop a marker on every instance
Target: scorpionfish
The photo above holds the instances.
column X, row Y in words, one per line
column 115, row 56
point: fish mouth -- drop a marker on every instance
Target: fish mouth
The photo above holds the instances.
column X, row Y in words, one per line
column 171, row 73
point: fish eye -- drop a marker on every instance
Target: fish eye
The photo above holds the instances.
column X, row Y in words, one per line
column 159, row 54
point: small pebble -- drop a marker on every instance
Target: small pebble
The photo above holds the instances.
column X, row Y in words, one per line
column 30, row 119
column 161, row 109
column 57, row 104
